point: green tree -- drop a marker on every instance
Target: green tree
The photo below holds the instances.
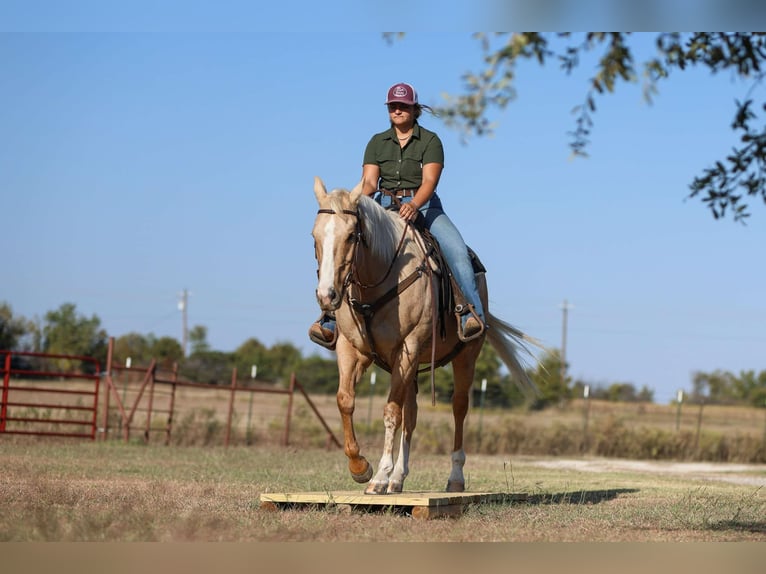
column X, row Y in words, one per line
column 249, row 353
column 279, row 362
column 134, row 345
column 725, row 187
column 622, row 392
column 209, row 367
column 501, row 391
column 318, row 375
column 66, row 333
column 198, row 339
column 547, row 378
column 716, row 387
column 444, row 383
column 751, row 388
column 167, row 351
column 756, row 390
column 13, row 330
column 645, row 395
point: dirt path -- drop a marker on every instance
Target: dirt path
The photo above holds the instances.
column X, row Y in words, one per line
column 745, row 474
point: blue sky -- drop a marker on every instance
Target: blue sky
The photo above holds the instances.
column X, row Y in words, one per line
column 134, row 165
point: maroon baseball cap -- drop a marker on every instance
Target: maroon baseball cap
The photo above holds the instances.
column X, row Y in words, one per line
column 403, row 93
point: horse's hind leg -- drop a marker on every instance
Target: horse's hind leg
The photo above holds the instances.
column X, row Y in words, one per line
column 463, row 370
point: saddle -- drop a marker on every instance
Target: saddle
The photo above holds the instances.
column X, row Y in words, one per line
column 451, row 298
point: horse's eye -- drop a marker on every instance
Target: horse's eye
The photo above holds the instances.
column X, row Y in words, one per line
column 351, row 237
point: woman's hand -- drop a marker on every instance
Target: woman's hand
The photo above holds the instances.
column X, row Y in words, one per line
column 408, row 211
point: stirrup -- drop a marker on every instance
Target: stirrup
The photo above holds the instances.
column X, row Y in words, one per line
column 462, row 310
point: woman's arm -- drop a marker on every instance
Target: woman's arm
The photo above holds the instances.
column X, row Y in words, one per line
column 370, row 177
column 431, row 174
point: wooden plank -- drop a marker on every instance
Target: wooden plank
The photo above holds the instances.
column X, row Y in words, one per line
column 429, row 512
column 423, row 505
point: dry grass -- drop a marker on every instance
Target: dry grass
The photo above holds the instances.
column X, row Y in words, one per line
column 627, row 430
column 266, row 412
column 83, row 491
column 269, row 412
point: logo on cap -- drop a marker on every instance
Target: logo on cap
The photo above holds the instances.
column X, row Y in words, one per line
column 399, row 92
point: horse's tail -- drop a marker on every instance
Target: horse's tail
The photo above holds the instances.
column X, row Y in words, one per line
column 507, row 340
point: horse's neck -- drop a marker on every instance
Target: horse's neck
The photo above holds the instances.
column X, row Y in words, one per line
column 400, row 252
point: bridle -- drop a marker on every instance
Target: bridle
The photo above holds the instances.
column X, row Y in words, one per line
column 352, row 277
column 358, row 237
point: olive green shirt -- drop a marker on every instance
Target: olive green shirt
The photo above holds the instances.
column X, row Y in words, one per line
column 402, row 167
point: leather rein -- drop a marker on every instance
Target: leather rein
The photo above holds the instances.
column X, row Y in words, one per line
column 368, row 310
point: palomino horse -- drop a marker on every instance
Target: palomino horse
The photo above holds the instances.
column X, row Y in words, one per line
column 375, row 275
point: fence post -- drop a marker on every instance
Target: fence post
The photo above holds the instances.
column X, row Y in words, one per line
column 699, row 427
column 169, row 426
column 372, row 393
column 316, row 412
column 149, row 408
column 94, row 429
column 764, row 426
column 286, row 439
column 586, row 417
column 481, row 410
column 108, row 370
column 679, row 400
column 248, row 431
column 231, row 406
column 6, row 384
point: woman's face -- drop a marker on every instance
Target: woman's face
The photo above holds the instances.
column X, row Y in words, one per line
column 401, row 114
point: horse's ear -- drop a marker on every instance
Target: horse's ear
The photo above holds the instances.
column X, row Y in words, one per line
column 356, row 193
column 319, row 189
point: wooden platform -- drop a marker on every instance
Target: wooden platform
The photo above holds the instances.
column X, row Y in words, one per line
column 423, row 505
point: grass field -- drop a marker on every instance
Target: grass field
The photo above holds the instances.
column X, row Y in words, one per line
column 117, row 492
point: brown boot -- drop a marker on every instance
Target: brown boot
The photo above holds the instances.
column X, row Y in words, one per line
column 472, row 329
column 322, row 336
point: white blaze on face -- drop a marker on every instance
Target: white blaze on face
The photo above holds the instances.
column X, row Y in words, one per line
column 327, row 265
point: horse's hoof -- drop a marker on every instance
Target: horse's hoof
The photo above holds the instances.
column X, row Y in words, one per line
column 454, row 486
column 394, row 487
column 376, row 488
column 363, row 476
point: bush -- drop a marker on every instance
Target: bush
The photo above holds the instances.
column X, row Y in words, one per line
column 610, row 438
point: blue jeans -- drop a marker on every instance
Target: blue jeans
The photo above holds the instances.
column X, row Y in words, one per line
column 453, row 247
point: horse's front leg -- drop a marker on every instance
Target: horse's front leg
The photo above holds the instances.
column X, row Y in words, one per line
column 392, row 418
column 351, row 366
column 409, row 420
column 403, row 371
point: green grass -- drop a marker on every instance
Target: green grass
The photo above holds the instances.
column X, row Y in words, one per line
column 82, row 491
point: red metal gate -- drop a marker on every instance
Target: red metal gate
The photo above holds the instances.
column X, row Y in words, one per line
column 39, row 397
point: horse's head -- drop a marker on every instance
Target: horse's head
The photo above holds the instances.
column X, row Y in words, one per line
column 336, row 235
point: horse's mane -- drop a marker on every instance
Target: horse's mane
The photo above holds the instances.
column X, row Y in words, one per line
column 382, row 229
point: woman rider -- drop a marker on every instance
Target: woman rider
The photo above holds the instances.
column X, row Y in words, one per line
column 406, row 161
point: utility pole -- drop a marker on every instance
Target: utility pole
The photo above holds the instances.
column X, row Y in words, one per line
column 565, row 309
column 183, row 304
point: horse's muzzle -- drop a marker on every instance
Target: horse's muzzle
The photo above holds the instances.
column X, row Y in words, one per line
column 329, row 300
